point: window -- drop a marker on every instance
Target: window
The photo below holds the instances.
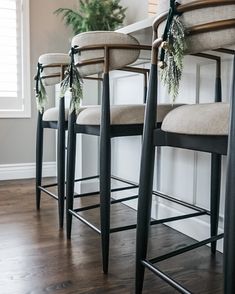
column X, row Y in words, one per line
column 14, row 59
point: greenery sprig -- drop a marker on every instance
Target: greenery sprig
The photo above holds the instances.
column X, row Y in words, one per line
column 40, row 91
column 172, row 64
column 94, row 15
column 73, row 83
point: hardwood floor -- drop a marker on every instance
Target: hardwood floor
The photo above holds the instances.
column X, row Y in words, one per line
column 36, row 258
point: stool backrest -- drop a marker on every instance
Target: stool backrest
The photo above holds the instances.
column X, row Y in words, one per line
column 118, row 58
column 210, row 23
column 54, row 65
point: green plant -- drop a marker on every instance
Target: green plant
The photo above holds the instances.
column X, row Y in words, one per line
column 72, row 83
column 173, row 59
column 94, row 15
column 40, row 91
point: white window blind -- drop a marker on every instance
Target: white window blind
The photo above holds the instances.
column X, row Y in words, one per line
column 14, row 59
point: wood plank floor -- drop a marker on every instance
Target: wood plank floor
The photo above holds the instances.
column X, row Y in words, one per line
column 36, row 258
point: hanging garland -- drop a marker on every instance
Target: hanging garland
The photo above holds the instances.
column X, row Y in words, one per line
column 41, row 94
column 73, row 83
column 172, row 51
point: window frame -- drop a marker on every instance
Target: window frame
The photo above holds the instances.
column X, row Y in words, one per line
column 25, row 102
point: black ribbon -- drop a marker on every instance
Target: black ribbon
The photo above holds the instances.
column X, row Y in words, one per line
column 38, row 75
column 74, row 50
column 172, row 12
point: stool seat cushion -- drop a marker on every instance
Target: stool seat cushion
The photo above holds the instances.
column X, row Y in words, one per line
column 118, row 57
column 199, row 119
column 52, row 114
column 53, row 59
column 121, row 114
column 209, row 40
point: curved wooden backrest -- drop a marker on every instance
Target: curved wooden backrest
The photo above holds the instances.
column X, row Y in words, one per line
column 96, row 44
column 53, row 67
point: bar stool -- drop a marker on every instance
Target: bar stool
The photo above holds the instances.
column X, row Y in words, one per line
column 95, row 53
column 51, row 71
column 205, row 127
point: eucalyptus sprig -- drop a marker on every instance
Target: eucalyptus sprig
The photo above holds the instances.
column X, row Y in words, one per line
column 74, row 86
column 174, row 47
column 40, row 91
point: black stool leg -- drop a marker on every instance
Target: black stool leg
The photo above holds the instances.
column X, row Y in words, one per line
column 61, row 161
column 215, row 196
column 39, row 156
column 105, row 173
column 216, row 168
column 71, row 154
column 146, row 181
column 229, row 224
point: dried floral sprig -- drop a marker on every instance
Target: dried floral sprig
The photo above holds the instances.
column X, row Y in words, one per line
column 174, row 47
column 41, row 97
column 40, row 91
column 73, row 83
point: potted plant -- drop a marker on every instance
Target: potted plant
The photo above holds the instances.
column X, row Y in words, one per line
column 93, row 15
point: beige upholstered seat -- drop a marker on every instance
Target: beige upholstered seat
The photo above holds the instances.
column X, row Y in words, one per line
column 199, row 119
column 118, row 57
column 209, row 40
column 53, row 59
column 52, row 114
column 121, row 114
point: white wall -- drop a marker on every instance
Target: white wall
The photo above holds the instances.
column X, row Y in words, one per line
column 137, row 10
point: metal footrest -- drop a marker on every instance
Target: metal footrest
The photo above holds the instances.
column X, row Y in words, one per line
column 42, row 188
column 165, row 277
column 76, row 180
column 150, row 263
column 75, row 212
column 114, row 201
column 198, row 212
column 132, row 186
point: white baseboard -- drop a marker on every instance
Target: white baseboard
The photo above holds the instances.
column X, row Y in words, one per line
column 25, row 170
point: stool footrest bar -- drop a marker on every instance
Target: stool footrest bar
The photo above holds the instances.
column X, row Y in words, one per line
column 98, row 192
column 124, row 228
column 98, row 205
column 77, row 180
column 91, row 178
column 165, row 277
column 124, row 181
column 48, row 192
column 186, row 249
column 175, row 218
column 180, row 202
column 49, row 185
column 86, row 179
column 160, row 221
column 82, row 219
column 86, row 194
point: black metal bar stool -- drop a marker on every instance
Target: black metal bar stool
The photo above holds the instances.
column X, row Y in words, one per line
column 101, row 52
column 51, row 71
column 210, row 25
